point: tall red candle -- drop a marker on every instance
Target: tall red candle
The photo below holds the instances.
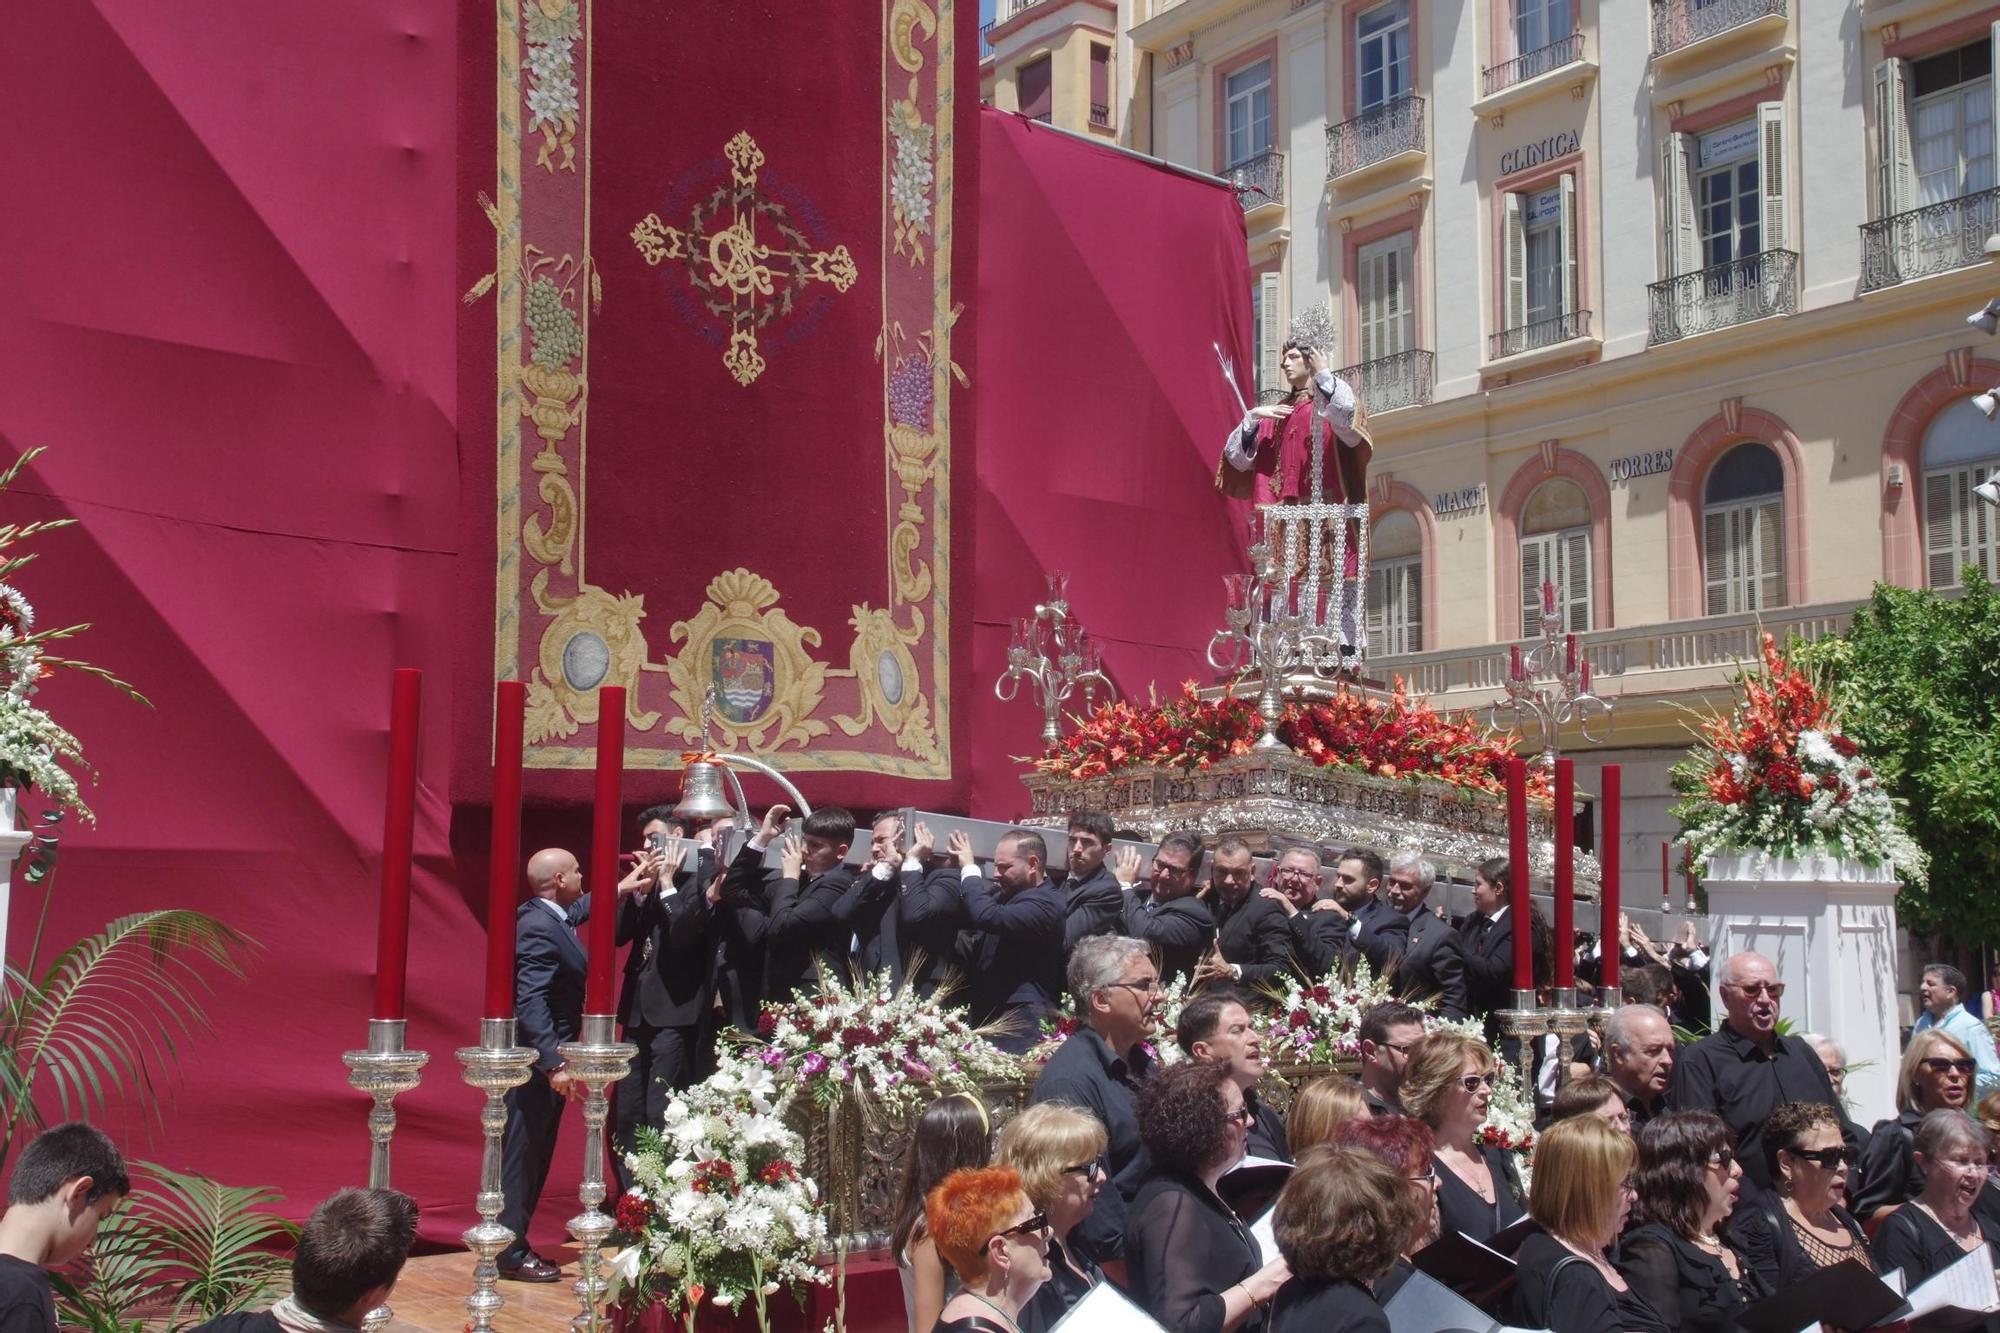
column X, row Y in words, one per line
column 1517, row 873
column 1610, row 857
column 399, row 829
column 504, row 858
column 604, row 849
column 1565, row 822
column 1666, row 873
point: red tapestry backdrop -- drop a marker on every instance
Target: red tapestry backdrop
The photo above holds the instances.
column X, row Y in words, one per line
column 227, row 288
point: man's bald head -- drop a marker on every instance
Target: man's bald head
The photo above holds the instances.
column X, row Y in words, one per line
column 554, row 873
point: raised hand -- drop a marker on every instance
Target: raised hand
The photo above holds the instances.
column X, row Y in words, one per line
column 1125, row 866
column 774, row 823
column 960, row 846
column 645, row 872
column 792, row 856
column 923, row 843
column 1278, row 896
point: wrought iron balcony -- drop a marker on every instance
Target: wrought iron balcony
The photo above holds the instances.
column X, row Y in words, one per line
column 1402, row 379
column 1538, row 61
column 1678, row 23
column 986, row 41
column 1541, row 333
column 1715, row 298
column 1933, row 239
column 1259, row 180
column 1100, row 114
column 1379, row 133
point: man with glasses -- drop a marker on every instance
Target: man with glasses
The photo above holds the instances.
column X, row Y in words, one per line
column 1216, row 1026
column 1117, row 994
column 1387, row 1033
column 1433, row 962
column 1942, row 991
column 1745, row 1070
column 1163, row 909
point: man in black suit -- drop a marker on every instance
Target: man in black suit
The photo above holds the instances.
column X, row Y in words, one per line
column 1253, row 945
column 549, row 966
column 1376, row 931
column 1013, row 960
column 1163, row 910
column 874, row 911
column 1487, row 940
column 667, row 917
column 930, row 916
column 1433, row 962
column 807, row 915
column 1093, row 902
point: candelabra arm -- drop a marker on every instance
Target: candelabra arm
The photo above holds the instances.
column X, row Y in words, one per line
column 494, row 1066
column 384, row 1071
column 596, row 1060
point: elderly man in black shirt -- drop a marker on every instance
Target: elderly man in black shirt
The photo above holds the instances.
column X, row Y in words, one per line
column 1118, row 997
column 1745, row 1070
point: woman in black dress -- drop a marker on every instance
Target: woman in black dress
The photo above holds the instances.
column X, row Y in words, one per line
column 1674, row 1257
column 1937, row 1228
column 997, row 1243
column 1581, row 1195
column 1059, row 1151
column 1190, row 1261
column 1447, row 1084
column 1408, row 1146
column 1805, row 1227
column 1936, row 1074
column 1340, row 1223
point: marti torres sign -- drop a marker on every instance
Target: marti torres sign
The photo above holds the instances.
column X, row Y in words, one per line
column 1542, row 150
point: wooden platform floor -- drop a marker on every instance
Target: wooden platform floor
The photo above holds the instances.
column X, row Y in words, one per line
column 430, row 1296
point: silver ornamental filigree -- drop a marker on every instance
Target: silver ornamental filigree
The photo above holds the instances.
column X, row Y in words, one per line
column 495, row 1066
column 385, row 1071
column 596, row 1061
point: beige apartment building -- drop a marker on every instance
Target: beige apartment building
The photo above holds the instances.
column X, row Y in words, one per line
column 1666, row 303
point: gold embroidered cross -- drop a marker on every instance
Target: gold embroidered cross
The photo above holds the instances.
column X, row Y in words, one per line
column 738, row 275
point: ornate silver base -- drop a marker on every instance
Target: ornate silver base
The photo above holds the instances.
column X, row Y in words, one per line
column 495, row 1065
column 1608, row 998
column 597, row 1060
column 384, row 1071
column 1567, row 1022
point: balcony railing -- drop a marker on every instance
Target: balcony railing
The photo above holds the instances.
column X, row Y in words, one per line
column 1402, row 379
column 1396, row 126
column 1538, row 61
column 1541, row 333
column 986, row 41
column 1933, row 239
column 1258, row 180
column 1100, row 114
column 1715, row 298
column 1678, row 23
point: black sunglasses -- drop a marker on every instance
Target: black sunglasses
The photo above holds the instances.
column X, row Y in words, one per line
column 1088, row 1170
column 1939, row 1064
column 1039, row 1222
column 1829, row 1158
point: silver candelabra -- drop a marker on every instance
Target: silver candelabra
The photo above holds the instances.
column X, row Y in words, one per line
column 597, row 1059
column 1054, row 653
column 1548, row 686
column 384, row 1071
column 1273, row 626
column 494, row 1066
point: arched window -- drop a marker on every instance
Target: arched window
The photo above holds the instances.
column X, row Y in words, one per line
column 1395, row 585
column 1555, row 548
column 1961, row 449
column 1743, row 531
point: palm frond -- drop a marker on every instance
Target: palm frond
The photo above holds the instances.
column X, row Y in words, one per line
column 226, row 1247
column 121, row 1272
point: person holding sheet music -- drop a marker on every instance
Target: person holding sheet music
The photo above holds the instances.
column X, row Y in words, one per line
column 1059, row 1151
column 1581, row 1195
column 995, row 1240
column 1341, row 1224
column 1674, row 1257
column 1936, row 1074
column 1789, row 1235
column 1447, row 1084
column 1191, row 1262
column 1937, row 1228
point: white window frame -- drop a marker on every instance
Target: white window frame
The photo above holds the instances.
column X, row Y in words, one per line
column 1385, row 301
column 1382, row 44
column 1561, row 557
column 1742, row 204
column 1242, row 100
column 1396, row 605
column 1963, row 101
column 1959, row 528
column 1266, row 329
column 1534, row 27
column 1549, row 231
column 1896, row 187
column 1740, row 538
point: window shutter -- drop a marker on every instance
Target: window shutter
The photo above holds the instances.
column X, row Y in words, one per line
column 1985, row 532
column 1376, row 620
column 1679, row 239
column 1993, row 90
column 1896, row 186
column 1515, row 241
column 1532, row 573
column 1771, row 176
column 1770, row 549
column 1575, row 586
column 1270, row 363
column 1941, row 523
column 1413, row 606
column 1717, row 552
column 1572, row 295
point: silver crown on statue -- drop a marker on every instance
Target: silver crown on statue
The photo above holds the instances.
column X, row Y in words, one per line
column 1313, row 327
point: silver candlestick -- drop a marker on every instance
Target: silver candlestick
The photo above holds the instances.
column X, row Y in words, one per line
column 1565, row 697
column 597, row 1059
column 384, row 1071
column 494, row 1066
column 1051, row 650
column 1269, row 630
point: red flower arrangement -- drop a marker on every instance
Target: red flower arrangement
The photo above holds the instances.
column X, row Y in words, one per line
column 1396, row 737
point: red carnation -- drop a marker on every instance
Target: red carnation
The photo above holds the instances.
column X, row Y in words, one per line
column 632, row 1213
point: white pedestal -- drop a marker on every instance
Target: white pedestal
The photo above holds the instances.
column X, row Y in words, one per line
column 12, row 844
column 1830, row 928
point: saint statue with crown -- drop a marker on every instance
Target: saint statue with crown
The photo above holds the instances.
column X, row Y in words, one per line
column 1269, row 456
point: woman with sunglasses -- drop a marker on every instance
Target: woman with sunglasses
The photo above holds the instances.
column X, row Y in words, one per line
column 1581, row 1195
column 1191, row 1262
column 1674, row 1256
column 953, row 1132
column 1059, row 1151
column 1806, row 1227
column 997, row 1243
column 1447, row 1084
column 1937, row 1074
column 1937, row 1228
